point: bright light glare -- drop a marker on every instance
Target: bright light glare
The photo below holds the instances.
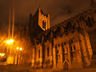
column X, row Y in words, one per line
column 7, row 42
column 17, row 48
column 2, row 54
column 10, row 41
column 20, row 49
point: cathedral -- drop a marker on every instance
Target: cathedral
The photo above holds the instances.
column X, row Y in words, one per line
column 66, row 45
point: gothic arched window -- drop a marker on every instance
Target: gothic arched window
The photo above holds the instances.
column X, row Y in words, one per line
column 44, row 24
column 48, row 51
column 63, row 51
column 90, row 21
column 69, row 25
column 81, row 18
column 39, row 53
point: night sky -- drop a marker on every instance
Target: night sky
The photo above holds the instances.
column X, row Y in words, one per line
column 58, row 9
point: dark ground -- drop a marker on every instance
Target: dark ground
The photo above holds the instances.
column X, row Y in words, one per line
column 26, row 68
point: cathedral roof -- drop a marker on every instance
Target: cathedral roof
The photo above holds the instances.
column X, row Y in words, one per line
column 70, row 25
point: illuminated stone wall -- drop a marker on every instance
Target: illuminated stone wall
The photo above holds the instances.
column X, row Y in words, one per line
column 38, row 23
column 73, row 49
column 66, row 44
column 43, row 20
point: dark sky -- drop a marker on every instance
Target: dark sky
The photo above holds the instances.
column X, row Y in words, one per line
column 58, row 9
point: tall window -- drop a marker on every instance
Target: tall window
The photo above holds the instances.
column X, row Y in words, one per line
column 39, row 53
column 48, row 51
column 63, row 51
column 44, row 24
column 74, row 48
column 71, row 51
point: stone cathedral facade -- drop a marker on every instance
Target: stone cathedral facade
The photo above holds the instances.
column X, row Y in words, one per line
column 66, row 45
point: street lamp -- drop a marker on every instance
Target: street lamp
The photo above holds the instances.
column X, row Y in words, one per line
column 2, row 54
column 18, row 48
column 18, row 53
column 9, row 44
column 10, row 41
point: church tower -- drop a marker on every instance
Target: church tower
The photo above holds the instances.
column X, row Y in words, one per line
column 43, row 20
column 38, row 23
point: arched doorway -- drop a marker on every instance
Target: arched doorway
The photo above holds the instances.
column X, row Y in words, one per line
column 65, row 65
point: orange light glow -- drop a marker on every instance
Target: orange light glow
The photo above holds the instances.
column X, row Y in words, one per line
column 2, row 54
column 20, row 49
column 17, row 48
column 10, row 60
column 10, row 41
